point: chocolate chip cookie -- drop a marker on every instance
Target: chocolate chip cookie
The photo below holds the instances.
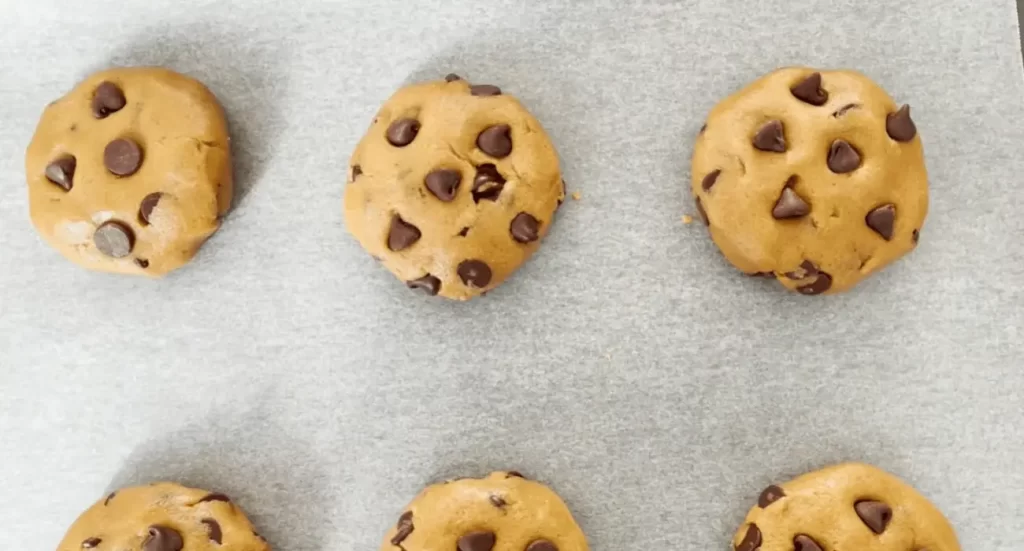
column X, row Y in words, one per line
column 815, row 178
column 453, row 187
column 131, row 171
column 503, row 512
column 845, row 507
column 163, row 517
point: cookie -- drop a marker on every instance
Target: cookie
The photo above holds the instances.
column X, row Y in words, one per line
column 502, row 512
column 453, row 187
column 844, row 507
column 131, row 171
column 163, row 517
column 814, row 178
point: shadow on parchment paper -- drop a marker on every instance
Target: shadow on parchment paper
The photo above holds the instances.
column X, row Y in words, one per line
column 260, row 465
column 245, row 73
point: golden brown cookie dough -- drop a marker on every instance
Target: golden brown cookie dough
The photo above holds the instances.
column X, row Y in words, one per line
column 845, row 507
column 503, row 512
column 131, row 171
column 816, row 178
column 453, row 187
column 163, row 517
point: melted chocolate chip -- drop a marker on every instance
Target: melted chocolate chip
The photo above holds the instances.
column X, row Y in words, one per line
column 402, row 132
column 498, row 501
column 215, row 497
column 822, row 283
column 842, row 157
column 402, row 234
column 751, row 540
column 452, row 77
column 122, row 157
column 141, row 263
column 428, row 283
column 916, row 236
column 484, row 90
column 443, row 183
column 487, row 184
column 474, row 273
column 770, row 495
column 524, row 228
column 900, row 126
column 476, row 541
column 803, row 542
column 62, row 171
column 109, row 497
column 882, row 220
column 162, row 538
column 108, row 98
column 91, row 543
column 771, row 137
column 875, row 514
column 403, row 528
column 700, row 210
column 357, row 171
column 809, row 90
column 496, row 141
column 146, row 207
column 213, row 528
column 709, row 180
column 514, row 474
column 114, row 239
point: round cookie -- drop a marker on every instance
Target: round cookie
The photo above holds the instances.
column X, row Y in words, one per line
column 844, row 507
column 453, row 187
column 163, row 517
column 815, row 178
column 131, row 171
column 502, row 512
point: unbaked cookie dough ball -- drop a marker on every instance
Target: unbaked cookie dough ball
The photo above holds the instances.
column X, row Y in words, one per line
column 453, row 187
column 131, row 171
column 815, row 178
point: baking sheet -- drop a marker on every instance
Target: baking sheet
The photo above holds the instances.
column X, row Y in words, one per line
column 626, row 365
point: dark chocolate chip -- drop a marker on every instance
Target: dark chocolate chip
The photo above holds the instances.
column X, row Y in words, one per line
column 215, row 497
column 807, row 269
column 751, row 540
column 108, row 98
column 842, row 157
column 822, row 283
column 213, row 527
column 146, row 207
column 900, row 126
column 114, row 239
column 524, row 228
column 109, row 497
column 162, row 538
column 403, row 528
column 770, row 495
column 790, row 205
column 541, row 545
column 916, row 236
column 402, row 132
column 428, row 283
column 476, row 541
column 402, row 234
column 771, row 137
column 62, row 172
column 514, row 474
column 357, row 171
column 498, row 501
column 484, row 90
column 842, row 110
column 141, row 263
column 474, row 273
column 882, row 219
column 464, row 232
column 803, row 542
column 709, row 181
column 487, row 184
column 875, row 514
column 496, row 141
column 809, row 90
column 122, row 157
column 443, row 183
column 452, row 77
column 90, row 543
column 701, row 212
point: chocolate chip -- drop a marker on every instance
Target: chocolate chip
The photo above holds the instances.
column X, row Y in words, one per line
column 141, row 263
column 709, row 181
column 443, row 183
column 541, row 545
column 809, row 90
column 474, row 273
column 916, row 236
column 452, row 77
column 842, row 157
column 402, row 132
column 790, row 205
column 464, row 232
column 62, row 171
column 524, row 228
column 114, row 239
column 703, row 127
column 803, row 542
column 213, row 527
column 215, row 497
column 807, row 269
column 90, row 543
column 498, row 501
column 900, row 126
column 701, row 212
column 766, row 275
column 146, row 207
column 122, row 157
column 484, row 90
column 496, row 141
column 476, row 541
column 752, row 539
column 487, row 184
column 403, row 528
column 357, row 171
column 770, row 495
column 162, row 538
column 514, row 474
column 842, row 110
column 771, row 137
column 109, row 497
column 875, row 514
column 255, row 533
column 402, row 234
column 822, row 283
column 882, row 219
column 108, row 98
column 428, row 283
